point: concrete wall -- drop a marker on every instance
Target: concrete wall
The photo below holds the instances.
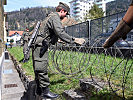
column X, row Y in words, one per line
column 2, row 2
column 1, row 27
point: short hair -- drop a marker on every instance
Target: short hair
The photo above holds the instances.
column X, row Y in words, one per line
column 59, row 8
column 63, row 6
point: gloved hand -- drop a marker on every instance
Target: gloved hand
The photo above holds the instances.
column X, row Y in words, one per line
column 79, row 41
column 124, row 37
column 60, row 41
column 121, row 31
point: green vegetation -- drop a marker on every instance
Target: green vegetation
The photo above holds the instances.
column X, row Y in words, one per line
column 94, row 13
column 17, row 52
column 26, row 17
column 100, row 66
column 117, row 6
column 59, row 82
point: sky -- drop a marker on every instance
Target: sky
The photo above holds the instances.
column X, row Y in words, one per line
column 13, row 5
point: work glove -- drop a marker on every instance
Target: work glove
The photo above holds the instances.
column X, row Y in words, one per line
column 121, row 31
column 79, row 41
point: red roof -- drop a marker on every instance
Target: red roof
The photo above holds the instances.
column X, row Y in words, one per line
column 14, row 32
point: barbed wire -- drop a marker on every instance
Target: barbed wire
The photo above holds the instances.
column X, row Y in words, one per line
column 107, row 68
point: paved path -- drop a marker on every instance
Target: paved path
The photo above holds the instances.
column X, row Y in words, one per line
column 12, row 87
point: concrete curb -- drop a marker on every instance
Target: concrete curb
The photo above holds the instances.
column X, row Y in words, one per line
column 24, row 78
column 1, row 70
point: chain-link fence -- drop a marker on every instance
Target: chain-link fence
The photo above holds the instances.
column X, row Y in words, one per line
column 99, row 28
column 110, row 69
column 79, row 30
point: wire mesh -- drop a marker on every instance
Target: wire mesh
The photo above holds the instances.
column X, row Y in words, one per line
column 110, row 69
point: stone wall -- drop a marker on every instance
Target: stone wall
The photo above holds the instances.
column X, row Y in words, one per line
column 1, row 27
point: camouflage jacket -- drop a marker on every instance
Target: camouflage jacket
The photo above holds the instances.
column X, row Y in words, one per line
column 26, row 36
column 51, row 29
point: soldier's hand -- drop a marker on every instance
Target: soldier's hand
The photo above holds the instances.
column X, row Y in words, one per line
column 124, row 37
column 79, row 41
column 60, row 41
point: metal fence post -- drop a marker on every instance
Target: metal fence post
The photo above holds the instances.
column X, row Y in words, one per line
column 89, row 31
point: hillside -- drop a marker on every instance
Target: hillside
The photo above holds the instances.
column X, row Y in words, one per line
column 18, row 20
column 117, row 6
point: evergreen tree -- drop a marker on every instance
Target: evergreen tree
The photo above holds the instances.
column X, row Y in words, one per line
column 94, row 12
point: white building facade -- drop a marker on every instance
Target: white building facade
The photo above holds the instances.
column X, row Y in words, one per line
column 101, row 4
column 79, row 8
column 15, row 37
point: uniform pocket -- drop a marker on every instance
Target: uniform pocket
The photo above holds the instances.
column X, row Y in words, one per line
column 43, row 49
column 41, row 66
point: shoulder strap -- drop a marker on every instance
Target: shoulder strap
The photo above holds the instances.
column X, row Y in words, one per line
column 42, row 28
column 43, row 23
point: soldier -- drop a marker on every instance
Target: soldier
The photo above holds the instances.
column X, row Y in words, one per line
column 50, row 30
column 123, row 28
column 26, row 37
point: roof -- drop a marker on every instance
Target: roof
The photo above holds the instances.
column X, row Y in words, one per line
column 14, row 32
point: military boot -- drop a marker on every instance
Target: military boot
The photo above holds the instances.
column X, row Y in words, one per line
column 47, row 94
column 25, row 60
column 38, row 90
column 120, row 32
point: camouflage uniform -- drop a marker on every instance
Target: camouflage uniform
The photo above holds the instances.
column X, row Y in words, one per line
column 26, row 38
column 131, row 3
column 50, row 30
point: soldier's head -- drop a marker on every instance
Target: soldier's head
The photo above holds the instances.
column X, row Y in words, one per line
column 27, row 30
column 63, row 9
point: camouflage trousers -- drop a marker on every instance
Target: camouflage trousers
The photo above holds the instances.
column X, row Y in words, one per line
column 40, row 66
column 24, row 50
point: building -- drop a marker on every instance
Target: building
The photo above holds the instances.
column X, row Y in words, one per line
column 2, row 43
column 79, row 8
column 102, row 4
column 15, row 35
column 2, row 26
column 6, row 27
